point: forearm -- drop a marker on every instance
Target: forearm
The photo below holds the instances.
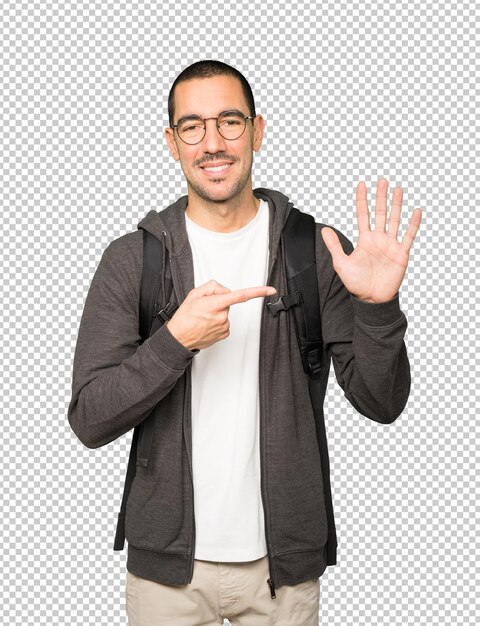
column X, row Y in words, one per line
column 118, row 398
column 374, row 369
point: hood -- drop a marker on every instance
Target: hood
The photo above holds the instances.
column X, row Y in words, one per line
column 171, row 221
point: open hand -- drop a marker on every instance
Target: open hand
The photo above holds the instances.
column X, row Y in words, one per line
column 375, row 269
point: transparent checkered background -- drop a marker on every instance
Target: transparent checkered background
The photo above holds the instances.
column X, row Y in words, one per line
column 349, row 92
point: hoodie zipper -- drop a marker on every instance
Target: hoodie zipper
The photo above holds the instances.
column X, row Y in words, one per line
column 188, row 394
column 270, row 581
column 263, row 454
column 192, row 557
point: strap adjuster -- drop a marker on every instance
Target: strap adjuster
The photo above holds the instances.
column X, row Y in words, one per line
column 312, row 363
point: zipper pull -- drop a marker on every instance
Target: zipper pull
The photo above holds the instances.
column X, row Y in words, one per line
column 272, row 588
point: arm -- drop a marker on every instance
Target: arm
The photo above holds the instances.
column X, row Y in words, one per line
column 116, row 381
column 366, row 343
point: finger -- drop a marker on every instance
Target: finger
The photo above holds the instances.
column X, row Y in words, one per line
column 333, row 244
column 210, row 288
column 242, row 295
column 363, row 217
column 381, row 205
column 412, row 229
column 394, row 219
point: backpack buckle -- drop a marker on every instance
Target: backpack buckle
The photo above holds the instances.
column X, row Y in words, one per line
column 284, row 302
column 167, row 311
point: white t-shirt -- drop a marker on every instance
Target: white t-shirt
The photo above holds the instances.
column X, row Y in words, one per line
column 228, row 506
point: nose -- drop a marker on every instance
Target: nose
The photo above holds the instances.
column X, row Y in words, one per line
column 213, row 140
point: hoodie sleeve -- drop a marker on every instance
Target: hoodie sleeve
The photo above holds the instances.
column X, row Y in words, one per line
column 116, row 381
column 366, row 343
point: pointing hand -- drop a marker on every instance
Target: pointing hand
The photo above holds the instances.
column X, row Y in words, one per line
column 202, row 318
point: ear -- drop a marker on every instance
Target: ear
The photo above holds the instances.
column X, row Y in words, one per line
column 258, row 130
column 172, row 145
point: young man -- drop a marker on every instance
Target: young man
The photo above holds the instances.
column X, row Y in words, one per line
column 228, row 518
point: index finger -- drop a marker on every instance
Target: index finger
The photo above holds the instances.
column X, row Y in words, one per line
column 242, row 295
column 363, row 214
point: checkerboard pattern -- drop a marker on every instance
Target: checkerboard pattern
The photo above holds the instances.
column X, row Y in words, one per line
column 349, row 92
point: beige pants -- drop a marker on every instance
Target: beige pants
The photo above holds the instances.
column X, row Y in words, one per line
column 236, row 591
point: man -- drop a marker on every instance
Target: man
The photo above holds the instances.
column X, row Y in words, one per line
column 227, row 519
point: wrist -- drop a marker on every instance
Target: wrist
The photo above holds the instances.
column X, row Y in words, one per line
column 177, row 334
column 370, row 300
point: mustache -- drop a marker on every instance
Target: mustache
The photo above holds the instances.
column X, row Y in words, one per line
column 216, row 160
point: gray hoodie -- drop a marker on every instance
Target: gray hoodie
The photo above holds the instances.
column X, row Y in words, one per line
column 117, row 381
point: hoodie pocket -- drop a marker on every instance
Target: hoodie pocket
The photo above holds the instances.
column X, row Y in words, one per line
column 155, row 517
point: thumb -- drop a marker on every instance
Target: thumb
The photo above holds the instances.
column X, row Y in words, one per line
column 210, row 288
column 332, row 242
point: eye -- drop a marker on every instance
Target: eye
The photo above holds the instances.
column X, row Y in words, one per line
column 231, row 120
column 190, row 127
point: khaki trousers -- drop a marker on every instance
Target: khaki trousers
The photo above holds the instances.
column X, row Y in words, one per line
column 237, row 591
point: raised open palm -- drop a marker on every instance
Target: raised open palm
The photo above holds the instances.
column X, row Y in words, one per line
column 375, row 269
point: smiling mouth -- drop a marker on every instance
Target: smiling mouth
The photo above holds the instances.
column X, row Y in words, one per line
column 216, row 169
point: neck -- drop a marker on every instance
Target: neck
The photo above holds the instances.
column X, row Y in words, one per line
column 222, row 217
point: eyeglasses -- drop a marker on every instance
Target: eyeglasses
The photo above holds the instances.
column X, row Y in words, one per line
column 230, row 125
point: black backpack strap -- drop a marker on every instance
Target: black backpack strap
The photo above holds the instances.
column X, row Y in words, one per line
column 301, row 271
column 120, row 532
column 156, row 287
column 299, row 237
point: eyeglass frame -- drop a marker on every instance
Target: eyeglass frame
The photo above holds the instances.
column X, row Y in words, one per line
column 204, row 119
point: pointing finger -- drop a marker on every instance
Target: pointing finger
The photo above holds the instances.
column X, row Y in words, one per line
column 243, row 295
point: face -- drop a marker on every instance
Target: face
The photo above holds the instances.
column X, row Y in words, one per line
column 208, row 97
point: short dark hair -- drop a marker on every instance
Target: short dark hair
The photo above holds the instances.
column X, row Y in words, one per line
column 206, row 69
